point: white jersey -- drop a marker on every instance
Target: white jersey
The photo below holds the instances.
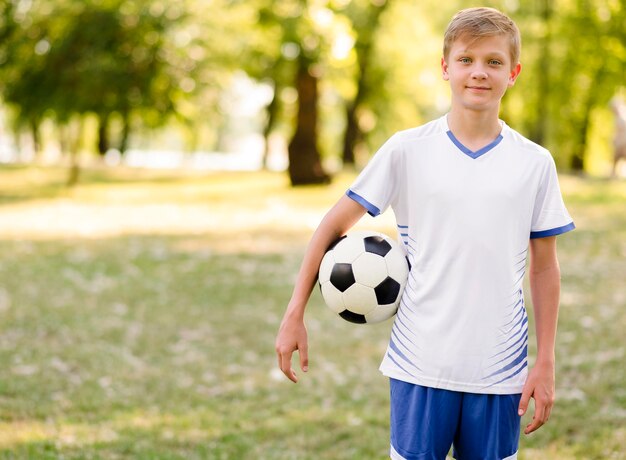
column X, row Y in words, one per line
column 465, row 219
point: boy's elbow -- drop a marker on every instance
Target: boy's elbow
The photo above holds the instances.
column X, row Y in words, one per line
column 550, row 268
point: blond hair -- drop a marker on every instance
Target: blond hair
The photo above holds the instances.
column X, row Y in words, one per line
column 477, row 23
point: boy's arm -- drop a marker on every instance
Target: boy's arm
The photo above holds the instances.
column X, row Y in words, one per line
column 545, row 286
column 292, row 334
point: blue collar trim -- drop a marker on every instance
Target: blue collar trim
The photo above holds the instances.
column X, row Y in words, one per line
column 471, row 153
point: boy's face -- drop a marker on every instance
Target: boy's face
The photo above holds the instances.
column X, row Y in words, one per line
column 479, row 71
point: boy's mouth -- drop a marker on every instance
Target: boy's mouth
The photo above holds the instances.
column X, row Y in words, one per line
column 478, row 88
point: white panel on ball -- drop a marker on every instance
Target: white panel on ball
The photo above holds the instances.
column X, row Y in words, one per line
column 397, row 266
column 369, row 269
column 333, row 297
column 381, row 313
column 347, row 250
column 359, row 299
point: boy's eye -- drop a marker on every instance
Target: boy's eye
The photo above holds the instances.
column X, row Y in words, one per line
column 465, row 60
column 494, row 62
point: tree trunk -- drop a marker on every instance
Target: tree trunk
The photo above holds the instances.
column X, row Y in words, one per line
column 577, row 161
column 103, row 134
column 125, row 132
column 305, row 166
column 352, row 134
column 74, row 173
column 538, row 134
column 34, row 129
column 272, row 116
column 363, row 48
column 74, row 145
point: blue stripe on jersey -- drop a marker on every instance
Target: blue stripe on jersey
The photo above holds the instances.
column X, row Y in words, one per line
column 403, row 226
column 522, row 329
column 471, row 153
column 522, row 367
column 513, row 353
column 523, row 337
column 398, row 364
column 396, row 349
column 523, row 322
column 553, row 231
column 399, row 324
column 371, row 209
column 517, row 312
column 521, row 357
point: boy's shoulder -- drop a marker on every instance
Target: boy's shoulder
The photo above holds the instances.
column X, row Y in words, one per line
column 432, row 128
column 525, row 145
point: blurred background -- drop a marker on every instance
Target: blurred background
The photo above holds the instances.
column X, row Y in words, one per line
column 232, row 84
column 162, row 167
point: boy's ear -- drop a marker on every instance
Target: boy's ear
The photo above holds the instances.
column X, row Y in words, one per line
column 514, row 74
column 444, row 69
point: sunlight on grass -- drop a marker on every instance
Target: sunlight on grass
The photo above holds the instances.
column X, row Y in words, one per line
column 240, row 209
column 61, row 434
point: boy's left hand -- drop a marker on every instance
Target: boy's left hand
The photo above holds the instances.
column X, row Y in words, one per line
column 540, row 386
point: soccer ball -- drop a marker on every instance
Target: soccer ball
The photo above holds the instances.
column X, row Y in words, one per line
column 362, row 276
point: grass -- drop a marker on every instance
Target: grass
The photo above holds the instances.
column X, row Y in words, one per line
column 138, row 314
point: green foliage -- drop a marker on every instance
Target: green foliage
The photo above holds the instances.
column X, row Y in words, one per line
column 78, row 57
column 574, row 61
column 155, row 59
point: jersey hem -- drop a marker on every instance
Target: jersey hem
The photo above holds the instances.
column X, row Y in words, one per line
column 553, row 231
column 453, row 386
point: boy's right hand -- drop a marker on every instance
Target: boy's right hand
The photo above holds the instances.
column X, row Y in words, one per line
column 292, row 336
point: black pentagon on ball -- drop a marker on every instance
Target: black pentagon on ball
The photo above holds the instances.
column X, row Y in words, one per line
column 377, row 245
column 342, row 277
column 353, row 317
column 387, row 291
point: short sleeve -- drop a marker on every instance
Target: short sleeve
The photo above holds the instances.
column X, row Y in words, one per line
column 376, row 186
column 550, row 217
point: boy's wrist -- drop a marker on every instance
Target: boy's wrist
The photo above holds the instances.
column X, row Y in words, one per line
column 545, row 360
column 295, row 311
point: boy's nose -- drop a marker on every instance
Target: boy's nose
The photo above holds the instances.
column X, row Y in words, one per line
column 479, row 74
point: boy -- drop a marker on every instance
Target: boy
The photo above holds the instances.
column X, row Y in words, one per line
column 470, row 196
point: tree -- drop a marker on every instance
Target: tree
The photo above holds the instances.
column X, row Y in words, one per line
column 365, row 20
column 574, row 61
column 305, row 166
column 302, row 44
column 81, row 57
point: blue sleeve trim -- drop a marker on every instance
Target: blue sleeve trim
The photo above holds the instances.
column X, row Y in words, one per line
column 371, row 209
column 553, row 231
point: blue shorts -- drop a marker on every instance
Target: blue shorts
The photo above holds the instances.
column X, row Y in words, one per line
column 426, row 422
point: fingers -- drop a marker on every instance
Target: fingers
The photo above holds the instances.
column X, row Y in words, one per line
column 541, row 415
column 547, row 413
column 284, row 362
column 304, row 358
column 525, row 399
column 538, row 420
column 292, row 337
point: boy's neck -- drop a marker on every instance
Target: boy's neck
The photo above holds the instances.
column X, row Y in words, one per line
column 474, row 127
